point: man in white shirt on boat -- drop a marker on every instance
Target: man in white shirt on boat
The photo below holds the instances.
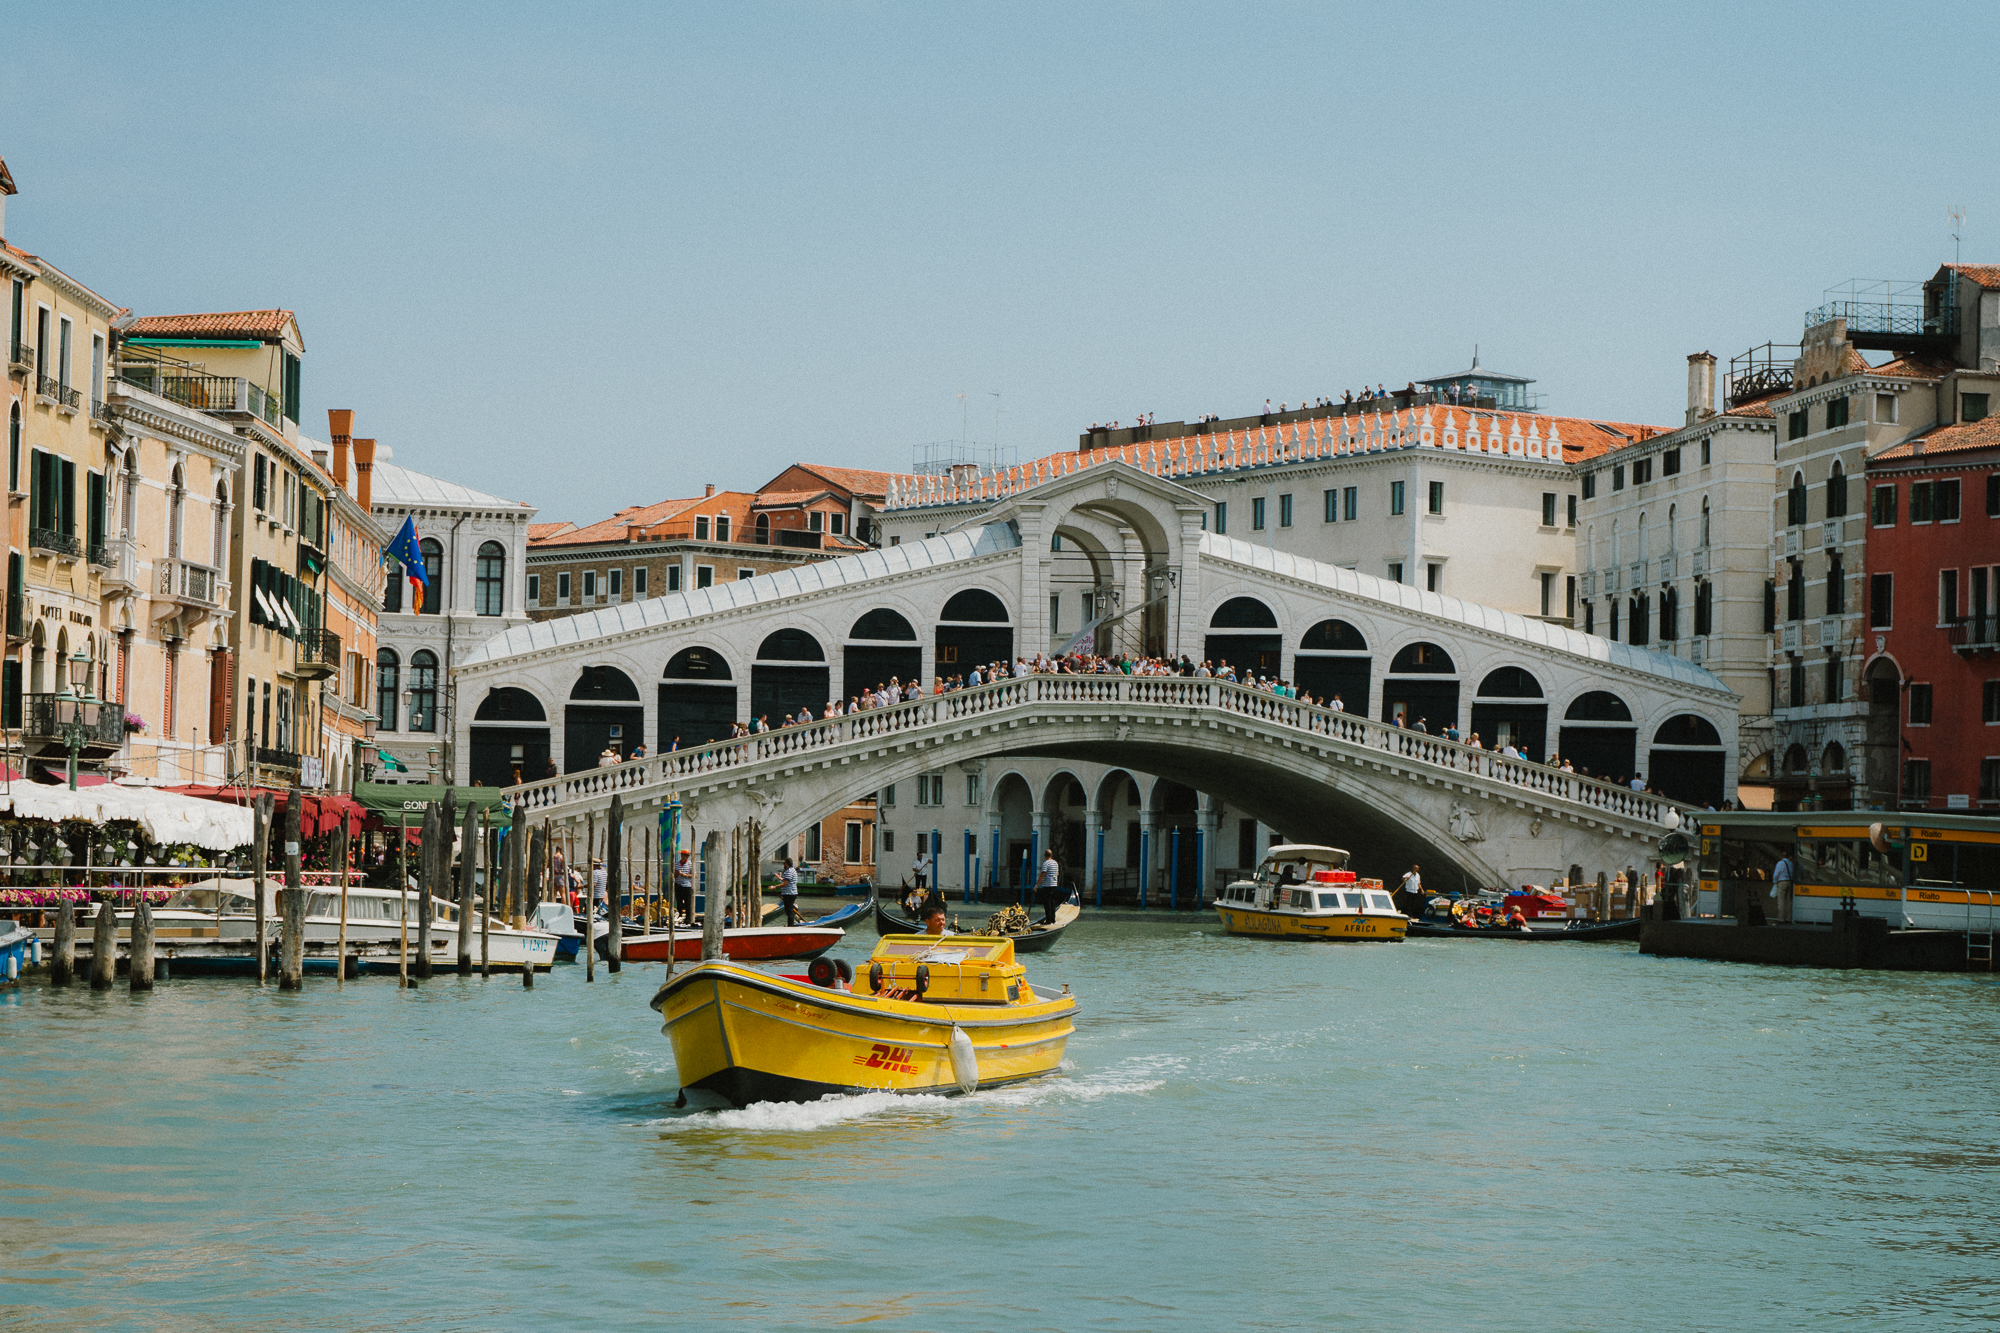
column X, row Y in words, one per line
column 684, row 885
column 600, row 881
column 1049, row 888
column 788, row 891
column 1414, row 881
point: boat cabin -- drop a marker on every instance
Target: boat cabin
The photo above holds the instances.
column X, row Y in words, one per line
column 1304, row 877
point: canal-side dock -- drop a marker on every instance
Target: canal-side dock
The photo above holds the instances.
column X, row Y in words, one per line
column 1850, row 941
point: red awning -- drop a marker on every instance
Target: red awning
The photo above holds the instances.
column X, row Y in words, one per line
column 319, row 812
column 60, row 776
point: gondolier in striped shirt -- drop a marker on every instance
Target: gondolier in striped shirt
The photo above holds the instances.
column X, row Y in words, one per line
column 1049, row 889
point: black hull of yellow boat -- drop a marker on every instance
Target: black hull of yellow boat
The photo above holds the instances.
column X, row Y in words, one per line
column 744, row 1087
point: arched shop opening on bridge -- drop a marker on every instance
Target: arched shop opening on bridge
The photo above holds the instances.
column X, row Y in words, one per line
column 972, row 630
column 880, row 647
column 1244, row 633
column 1333, row 660
column 1598, row 736
column 510, row 738
column 697, row 699
column 1687, row 760
column 1509, row 710
column 604, row 713
column 790, row 673
column 1422, row 686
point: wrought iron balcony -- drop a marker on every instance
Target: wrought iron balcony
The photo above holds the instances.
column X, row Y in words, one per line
column 1890, row 314
column 20, row 356
column 100, row 412
column 221, row 394
column 43, row 721
column 319, row 654
column 188, row 583
column 57, row 543
column 269, row 758
column 1974, row 634
column 58, row 393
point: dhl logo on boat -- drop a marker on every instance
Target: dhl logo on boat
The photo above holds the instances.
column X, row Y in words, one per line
column 896, row 1058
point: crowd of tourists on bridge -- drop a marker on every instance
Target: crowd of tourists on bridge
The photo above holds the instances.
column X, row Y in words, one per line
column 896, row 690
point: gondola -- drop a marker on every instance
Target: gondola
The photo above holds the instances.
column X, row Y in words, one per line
column 845, row 917
column 1580, row 933
column 1034, row 941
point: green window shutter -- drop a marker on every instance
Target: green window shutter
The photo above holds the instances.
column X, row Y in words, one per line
column 35, row 488
column 96, row 516
column 67, row 494
column 292, row 387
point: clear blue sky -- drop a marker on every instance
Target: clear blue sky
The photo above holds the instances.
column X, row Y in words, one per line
column 595, row 255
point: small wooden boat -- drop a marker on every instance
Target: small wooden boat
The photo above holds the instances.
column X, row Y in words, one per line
column 841, row 917
column 1302, row 891
column 743, row 944
column 1580, row 932
column 934, row 1014
column 1038, row 940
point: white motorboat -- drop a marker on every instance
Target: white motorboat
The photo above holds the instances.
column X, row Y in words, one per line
column 375, row 917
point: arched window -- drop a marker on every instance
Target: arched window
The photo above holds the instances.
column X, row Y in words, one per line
column 1687, row 729
column 1510, row 683
column 1795, row 501
column 423, row 690
column 790, row 645
column 128, row 499
column 176, row 510
column 1424, row 659
column 434, row 572
column 507, row 703
column 388, row 679
column 392, row 585
column 1598, row 706
column 882, row 623
column 14, row 447
column 219, row 535
column 1333, row 636
column 1836, row 492
column 976, row 606
column 1243, row 613
column 490, row 589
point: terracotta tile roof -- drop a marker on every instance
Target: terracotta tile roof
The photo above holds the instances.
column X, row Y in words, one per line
column 537, row 531
column 1967, row 437
column 1986, row 275
column 1913, row 367
column 225, row 324
column 853, row 480
column 1756, row 407
column 786, row 499
column 1855, row 364
column 6, row 179
column 735, row 504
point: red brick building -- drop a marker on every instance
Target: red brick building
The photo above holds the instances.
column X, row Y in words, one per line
column 1933, row 602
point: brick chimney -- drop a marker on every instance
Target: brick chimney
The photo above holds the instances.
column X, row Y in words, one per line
column 364, row 469
column 710, row 491
column 339, row 421
column 1701, row 387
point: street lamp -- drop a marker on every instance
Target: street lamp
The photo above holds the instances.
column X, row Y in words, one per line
column 77, row 709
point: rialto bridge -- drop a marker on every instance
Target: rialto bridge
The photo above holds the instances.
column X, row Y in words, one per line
column 674, row 670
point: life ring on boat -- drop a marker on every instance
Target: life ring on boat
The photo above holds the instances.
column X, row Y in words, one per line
column 821, row 972
column 843, row 971
column 875, row 978
column 923, row 982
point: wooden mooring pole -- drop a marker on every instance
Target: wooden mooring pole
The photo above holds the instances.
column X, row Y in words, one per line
column 614, row 880
column 261, row 851
column 490, row 901
column 62, row 966
column 427, row 859
column 292, row 908
column 142, row 944
column 104, row 948
column 340, row 865
column 589, row 899
column 468, row 892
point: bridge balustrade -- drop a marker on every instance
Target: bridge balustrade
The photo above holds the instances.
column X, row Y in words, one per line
column 1029, row 693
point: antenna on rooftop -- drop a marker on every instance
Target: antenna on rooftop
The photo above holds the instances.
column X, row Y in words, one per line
column 1475, row 356
column 1956, row 213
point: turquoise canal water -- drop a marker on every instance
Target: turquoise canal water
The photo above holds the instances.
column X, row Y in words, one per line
column 1432, row 1135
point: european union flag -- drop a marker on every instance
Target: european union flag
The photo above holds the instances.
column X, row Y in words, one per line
column 406, row 550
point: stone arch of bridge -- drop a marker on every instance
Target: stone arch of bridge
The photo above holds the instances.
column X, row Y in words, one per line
column 1387, row 823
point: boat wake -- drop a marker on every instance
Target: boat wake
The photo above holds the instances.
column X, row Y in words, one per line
column 1138, row 1075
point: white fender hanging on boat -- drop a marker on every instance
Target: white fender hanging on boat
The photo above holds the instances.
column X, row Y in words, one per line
column 964, row 1063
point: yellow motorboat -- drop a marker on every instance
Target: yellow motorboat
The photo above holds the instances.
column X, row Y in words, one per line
column 939, row 1014
column 1305, row 892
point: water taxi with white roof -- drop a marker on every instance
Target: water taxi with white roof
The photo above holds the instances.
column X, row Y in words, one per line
column 1303, row 891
